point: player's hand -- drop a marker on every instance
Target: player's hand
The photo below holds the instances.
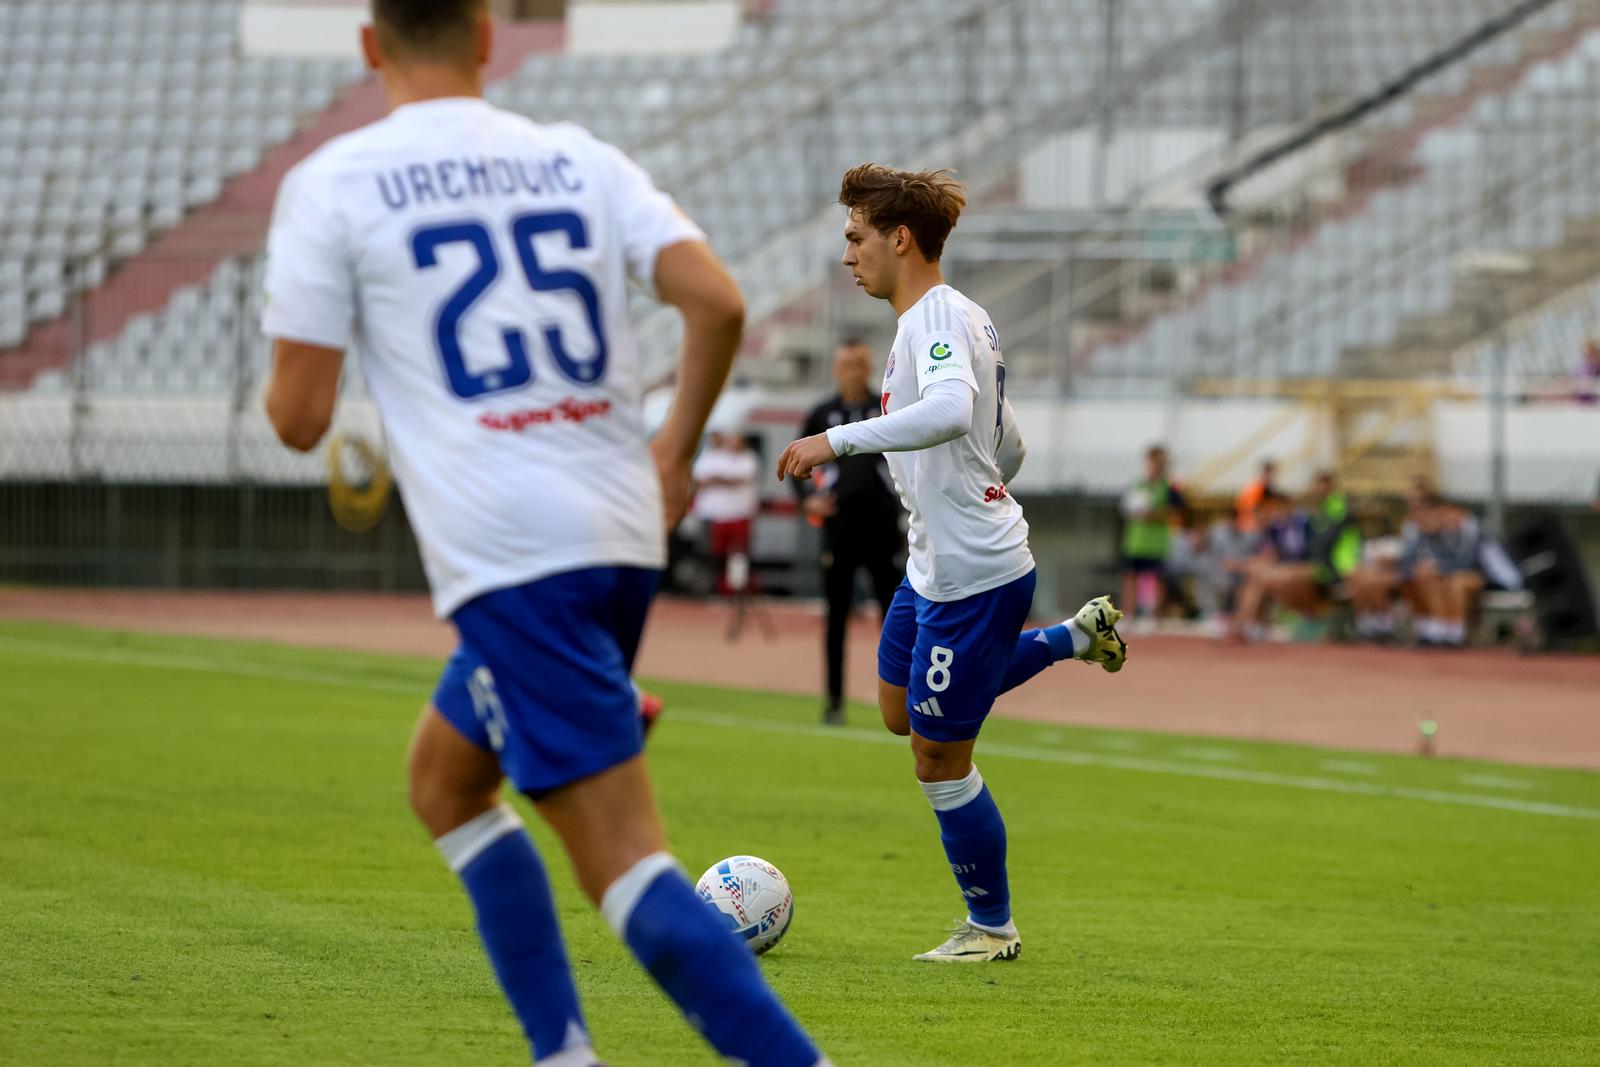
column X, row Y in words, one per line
column 674, row 474
column 803, row 455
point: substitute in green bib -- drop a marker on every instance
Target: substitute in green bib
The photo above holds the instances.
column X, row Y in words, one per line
column 1150, row 508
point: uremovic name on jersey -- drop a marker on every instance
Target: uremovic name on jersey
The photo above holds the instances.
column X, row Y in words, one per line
column 458, row 179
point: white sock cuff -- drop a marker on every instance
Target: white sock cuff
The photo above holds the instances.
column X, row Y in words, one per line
column 947, row 796
column 622, row 896
column 578, row 1056
column 1082, row 641
column 466, row 842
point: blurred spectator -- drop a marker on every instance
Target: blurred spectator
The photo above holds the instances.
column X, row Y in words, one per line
column 1586, row 390
column 1250, row 496
column 1375, row 584
column 1150, row 508
column 1303, row 555
column 726, row 500
column 1336, row 542
column 1214, row 560
column 1284, row 544
column 854, row 500
column 1445, row 569
column 1444, row 564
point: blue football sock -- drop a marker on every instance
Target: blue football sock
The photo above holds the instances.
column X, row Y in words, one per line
column 1038, row 649
column 703, row 967
column 974, row 837
column 517, row 921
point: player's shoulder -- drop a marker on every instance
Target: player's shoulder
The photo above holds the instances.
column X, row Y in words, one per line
column 325, row 165
column 353, row 148
column 965, row 312
column 945, row 311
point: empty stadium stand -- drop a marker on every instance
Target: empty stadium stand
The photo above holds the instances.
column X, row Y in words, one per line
column 116, row 119
column 1369, row 284
column 105, row 145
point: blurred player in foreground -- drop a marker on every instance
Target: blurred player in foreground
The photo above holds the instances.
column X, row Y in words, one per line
column 478, row 263
column 953, row 639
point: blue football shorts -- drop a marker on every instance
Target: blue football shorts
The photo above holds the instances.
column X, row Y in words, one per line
column 952, row 656
column 543, row 674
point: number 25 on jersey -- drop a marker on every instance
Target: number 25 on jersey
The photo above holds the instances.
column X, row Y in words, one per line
column 518, row 370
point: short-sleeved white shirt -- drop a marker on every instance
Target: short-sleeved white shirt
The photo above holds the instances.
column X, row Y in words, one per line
column 726, row 503
column 478, row 264
column 966, row 535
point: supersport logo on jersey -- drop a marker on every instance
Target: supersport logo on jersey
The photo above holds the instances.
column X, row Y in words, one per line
column 568, row 410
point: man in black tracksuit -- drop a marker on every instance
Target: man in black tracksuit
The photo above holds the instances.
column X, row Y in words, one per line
column 854, row 500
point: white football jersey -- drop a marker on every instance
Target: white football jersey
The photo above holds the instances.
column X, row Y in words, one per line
column 478, row 263
column 967, row 535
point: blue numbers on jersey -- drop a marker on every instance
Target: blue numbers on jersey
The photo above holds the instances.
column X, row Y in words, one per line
column 518, row 371
column 1000, row 402
column 425, row 246
column 524, row 228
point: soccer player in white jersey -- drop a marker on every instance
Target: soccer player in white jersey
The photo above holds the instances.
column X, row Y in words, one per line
column 477, row 262
column 953, row 639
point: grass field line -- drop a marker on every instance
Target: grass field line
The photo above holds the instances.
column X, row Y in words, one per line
column 206, row 665
column 1167, row 767
column 417, row 688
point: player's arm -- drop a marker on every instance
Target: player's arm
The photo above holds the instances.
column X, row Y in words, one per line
column 302, row 391
column 943, row 414
column 1012, row 451
column 691, row 278
column 947, row 390
column 310, row 311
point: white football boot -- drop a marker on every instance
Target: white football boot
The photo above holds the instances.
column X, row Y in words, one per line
column 1098, row 620
column 970, row 944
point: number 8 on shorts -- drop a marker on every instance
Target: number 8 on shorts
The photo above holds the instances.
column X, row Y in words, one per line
column 939, row 673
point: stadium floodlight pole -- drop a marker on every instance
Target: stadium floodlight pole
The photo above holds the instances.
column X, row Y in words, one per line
column 1490, row 273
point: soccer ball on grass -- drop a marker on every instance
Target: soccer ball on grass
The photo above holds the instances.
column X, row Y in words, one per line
column 753, row 898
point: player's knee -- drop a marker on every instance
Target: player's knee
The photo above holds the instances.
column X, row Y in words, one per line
column 938, row 766
column 442, row 805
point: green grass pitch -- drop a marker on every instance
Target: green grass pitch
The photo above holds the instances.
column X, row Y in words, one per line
column 206, row 858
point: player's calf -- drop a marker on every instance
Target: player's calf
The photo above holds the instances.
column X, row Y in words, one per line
column 454, row 787
column 706, row 971
column 613, row 835
column 974, row 837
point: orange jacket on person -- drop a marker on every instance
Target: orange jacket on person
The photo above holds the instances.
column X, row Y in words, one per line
column 1250, row 499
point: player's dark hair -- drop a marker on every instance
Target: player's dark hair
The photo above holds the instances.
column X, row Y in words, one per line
column 852, row 342
column 437, row 30
column 927, row 202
